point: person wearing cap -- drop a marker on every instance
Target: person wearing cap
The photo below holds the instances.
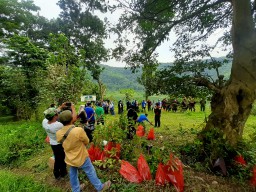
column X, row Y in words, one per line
column 76, row 154
column 51, row 126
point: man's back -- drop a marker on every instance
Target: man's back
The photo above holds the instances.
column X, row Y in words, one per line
column 74, row 145
column 89, row 112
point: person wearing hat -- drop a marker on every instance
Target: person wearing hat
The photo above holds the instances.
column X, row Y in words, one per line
column 51, row 126
column 74, row 140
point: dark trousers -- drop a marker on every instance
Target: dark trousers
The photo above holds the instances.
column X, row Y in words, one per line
column 60, row 168
column 89, row 130
column 131, row 129
column 157, row 121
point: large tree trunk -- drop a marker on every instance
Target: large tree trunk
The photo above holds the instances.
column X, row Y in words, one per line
column 231, row 107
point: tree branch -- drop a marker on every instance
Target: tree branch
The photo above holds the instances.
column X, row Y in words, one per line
column 186, row 17
column 200, row 81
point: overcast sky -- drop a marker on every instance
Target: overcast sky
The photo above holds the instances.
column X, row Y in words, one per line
column 49, row 9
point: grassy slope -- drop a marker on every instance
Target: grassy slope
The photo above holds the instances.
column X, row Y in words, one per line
column 175, row 128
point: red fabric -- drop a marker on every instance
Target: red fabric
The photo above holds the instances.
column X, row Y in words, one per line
column 98, row 154
column 151, row 134
column 112, row 146
column 140, row 132
column 47, row 139
column 95, row 153
column 160, row 175
column 91, row 152
column 129, row 172
column 240, row 160
column 143, row 168
column 253, row 179
column 174, row 168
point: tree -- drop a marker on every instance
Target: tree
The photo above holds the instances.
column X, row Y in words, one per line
column 129, row 93
column 86, row 31
column 194, row 22
column 148, row 79
column 16, row 16
column 65, row 75
column 26, row 61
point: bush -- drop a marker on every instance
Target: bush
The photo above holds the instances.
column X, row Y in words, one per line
column 253, row 111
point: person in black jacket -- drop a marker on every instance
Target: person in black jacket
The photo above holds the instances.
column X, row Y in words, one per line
column 157, row 111
column 132, row 117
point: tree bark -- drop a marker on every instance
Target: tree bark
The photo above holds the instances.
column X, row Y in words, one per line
column 231, row 107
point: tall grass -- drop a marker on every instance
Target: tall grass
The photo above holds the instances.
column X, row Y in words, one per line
column 19, row 140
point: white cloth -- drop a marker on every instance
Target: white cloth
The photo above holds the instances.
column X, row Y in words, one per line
column 51, row 130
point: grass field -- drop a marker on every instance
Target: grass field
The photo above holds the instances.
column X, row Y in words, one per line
column 26, row 169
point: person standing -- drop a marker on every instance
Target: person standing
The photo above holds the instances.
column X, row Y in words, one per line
column 157, row 112
column 51, row 126
column 143, row 105
column 82, row 117
column 112, row 108
column 99, row 111
column 149, row 104
column 120, row 107
column 202, row 104
column 74, row 141
column 91, row 121
column 128, row 104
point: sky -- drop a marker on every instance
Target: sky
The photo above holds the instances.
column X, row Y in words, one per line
column 50, row 9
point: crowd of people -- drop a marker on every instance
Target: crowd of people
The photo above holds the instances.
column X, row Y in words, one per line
column 69, row 132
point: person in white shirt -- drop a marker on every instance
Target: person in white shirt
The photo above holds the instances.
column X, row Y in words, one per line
column 51, row 126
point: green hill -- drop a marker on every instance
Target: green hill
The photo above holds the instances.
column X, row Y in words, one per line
column 116, row 78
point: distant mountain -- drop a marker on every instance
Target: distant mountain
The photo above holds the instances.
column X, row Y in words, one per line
column 116, row 78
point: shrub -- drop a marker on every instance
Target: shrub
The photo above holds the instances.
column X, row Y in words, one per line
column 253, row 111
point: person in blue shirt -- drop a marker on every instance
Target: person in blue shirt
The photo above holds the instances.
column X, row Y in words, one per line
column 142, row 118
column 90, row 119
column 143, row 105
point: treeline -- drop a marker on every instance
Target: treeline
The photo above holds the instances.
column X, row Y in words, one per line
column 48, row 61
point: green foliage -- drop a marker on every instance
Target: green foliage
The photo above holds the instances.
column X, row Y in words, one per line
column 16, row 16
column 17, row 94
column 108, row 163
column 253, row 111
column 41, row 48
column 11, row 182
column 147, row 78
column 116, row 78
column 23, row 77
column 19, row 141
column 111, row 132
column 128, row 94
column 123, row 121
